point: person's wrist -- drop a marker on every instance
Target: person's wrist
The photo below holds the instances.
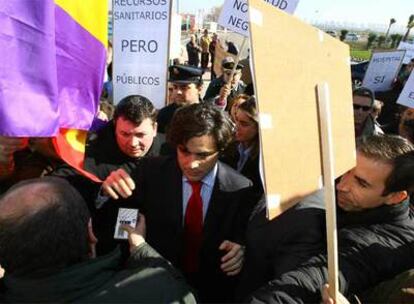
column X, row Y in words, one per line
column 136, row 240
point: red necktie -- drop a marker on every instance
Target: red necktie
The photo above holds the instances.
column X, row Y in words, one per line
column 193, row 229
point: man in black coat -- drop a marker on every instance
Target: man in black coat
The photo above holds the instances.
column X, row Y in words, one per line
column 48, row 255
column 164, row 193
column 282, row 244
column 193, row 51
column 375, row 227
column 122, row 143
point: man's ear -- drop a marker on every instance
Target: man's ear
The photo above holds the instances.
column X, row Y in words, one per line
column 155, row 125
column 395, row 198
column 92, row 240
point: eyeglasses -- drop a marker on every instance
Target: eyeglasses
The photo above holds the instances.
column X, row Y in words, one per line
column 363, row 108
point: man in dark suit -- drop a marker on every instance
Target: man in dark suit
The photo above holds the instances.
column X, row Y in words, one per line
column 121, row 143
column 196, row 207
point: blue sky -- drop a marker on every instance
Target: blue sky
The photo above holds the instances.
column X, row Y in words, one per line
column 351, row 11
column 367, row 13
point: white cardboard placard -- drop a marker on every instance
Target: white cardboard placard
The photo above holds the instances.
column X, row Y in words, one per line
column 382, row 70
column 234, row 15
column 406, row 97
column 140, row 43
column 409, row 48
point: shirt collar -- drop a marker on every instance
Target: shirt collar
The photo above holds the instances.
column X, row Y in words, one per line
column 243, row 150
column 209, row 178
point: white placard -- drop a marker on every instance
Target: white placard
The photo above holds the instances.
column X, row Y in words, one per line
column 126, row 216
column 234, row 14
column 407, row 95
column 140, row 43
column 409, row 48
column 382, row 70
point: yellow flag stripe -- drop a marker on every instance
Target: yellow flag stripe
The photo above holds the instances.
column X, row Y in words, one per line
column 90, row 14
column 77, row 139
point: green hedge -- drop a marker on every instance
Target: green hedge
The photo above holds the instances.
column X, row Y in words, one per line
column 361, row 54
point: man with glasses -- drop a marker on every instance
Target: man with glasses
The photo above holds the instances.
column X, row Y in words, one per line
column 186, row 83
column 223, row 89
column 196, row 207
column 363, row 103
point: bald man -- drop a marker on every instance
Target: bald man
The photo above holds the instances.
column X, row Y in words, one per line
column 47, row 252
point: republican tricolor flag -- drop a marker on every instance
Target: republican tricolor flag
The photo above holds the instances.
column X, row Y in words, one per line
column 52, row 63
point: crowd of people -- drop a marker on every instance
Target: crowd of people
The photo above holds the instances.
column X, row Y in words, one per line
column 192, row 170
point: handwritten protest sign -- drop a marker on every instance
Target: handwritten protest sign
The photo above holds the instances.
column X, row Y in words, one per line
column 382, row 70
column 234, row 15
column 141, row 31
column 406, row 97
column 409, row 48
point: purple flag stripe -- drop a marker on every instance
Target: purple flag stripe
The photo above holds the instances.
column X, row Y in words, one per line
column 28, row 81
column 51, row 70
column 80, row 69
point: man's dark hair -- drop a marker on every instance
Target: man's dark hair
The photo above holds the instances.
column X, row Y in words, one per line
column 402, row 177
column 365, row 92
column 136, row 109
column 47, row 230
column 200, row 119
column 394, row 150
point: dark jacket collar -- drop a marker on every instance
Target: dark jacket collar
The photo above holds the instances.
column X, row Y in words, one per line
column 105, row 147
column 381, row 215
column 68, row 285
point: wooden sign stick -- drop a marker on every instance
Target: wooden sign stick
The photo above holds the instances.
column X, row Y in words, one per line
column 236, row 61
column 329, row 190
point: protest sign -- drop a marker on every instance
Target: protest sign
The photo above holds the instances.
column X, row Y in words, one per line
column 382, row 70
column 141, row 44
column 406, row 97
column 289, row 115
column 297, row 157
column 234, row 14
column 409, row 48
column 175, row 36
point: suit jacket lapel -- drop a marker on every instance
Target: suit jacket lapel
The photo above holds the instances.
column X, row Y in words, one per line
column 176, row 195
column 217, row 203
